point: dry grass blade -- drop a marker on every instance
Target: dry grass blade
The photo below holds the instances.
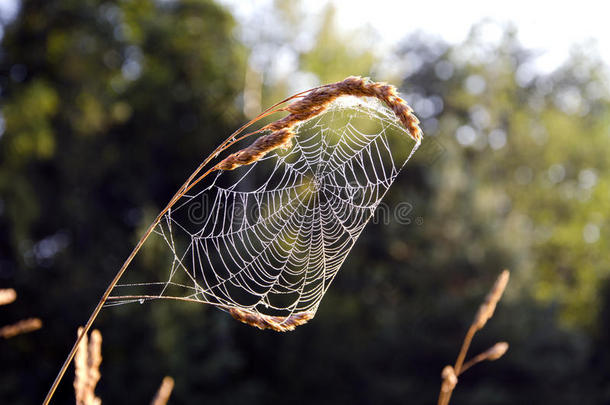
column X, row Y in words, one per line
column 485, row 312
column 23, row 326
column 165, row 390
column 7, row 295
column 87, row 368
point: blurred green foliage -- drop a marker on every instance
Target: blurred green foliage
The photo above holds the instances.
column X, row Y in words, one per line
column 107, row 107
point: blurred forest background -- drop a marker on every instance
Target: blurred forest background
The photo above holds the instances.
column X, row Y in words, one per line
column 106, row 107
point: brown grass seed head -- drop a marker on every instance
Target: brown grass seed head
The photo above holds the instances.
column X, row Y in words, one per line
column 486, row 310
column 315, row 102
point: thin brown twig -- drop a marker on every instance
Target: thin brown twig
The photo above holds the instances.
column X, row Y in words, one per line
column 485, row 312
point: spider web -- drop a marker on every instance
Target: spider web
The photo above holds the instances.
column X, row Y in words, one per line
column 270, row 237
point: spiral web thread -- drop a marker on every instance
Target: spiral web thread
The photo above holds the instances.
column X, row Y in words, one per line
column 265, row 241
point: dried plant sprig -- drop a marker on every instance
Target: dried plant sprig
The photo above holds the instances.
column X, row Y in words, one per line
column 7, row 296
column 315, row 102
column 23, row 326
column 493, row 353
column 485, row 312
column 276, row 323
column 87, row 368
column 164, row 392
column 309, row 103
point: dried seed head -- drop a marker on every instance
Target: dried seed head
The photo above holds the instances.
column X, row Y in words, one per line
column 80, row 368
column 7, row 296
column 276, row 323
column 315, row 102
column 493, row 353
column 496, row 351
column 24, row 326
column 449, row 379
column 259, row 148
column 486, row 310
column 94, row 357
column 165, row 390
column 87, row 368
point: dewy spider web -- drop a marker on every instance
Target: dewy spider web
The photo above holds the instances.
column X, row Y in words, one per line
column 266, row 240
column 262, row 233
